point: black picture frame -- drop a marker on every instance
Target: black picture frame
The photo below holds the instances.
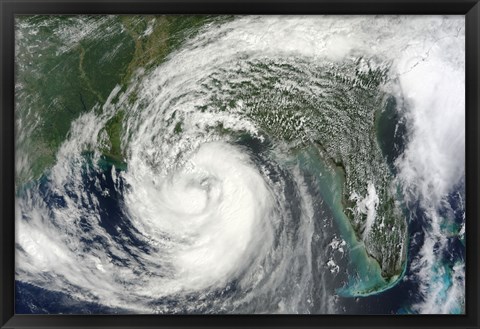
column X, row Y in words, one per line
column 469, row 8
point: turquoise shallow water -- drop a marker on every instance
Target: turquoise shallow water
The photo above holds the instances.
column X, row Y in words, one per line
column 367, row 278
column 213, row 113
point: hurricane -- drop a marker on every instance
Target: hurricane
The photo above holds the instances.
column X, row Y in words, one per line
column 268, row 164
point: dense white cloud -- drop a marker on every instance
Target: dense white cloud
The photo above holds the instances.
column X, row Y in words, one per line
column 172, row 179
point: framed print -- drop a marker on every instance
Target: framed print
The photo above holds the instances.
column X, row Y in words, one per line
column 232, row 164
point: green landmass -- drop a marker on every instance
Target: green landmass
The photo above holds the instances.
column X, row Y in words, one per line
column 68, row 64
column 336, row 111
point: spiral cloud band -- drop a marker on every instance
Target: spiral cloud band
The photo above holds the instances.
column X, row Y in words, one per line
column 257, row 176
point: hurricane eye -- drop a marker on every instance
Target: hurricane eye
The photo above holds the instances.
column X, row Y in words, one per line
column 240, row 164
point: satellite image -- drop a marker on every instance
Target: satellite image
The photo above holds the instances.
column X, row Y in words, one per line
column 240, row 164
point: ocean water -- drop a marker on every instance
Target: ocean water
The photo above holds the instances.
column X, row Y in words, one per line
column 242, row 165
